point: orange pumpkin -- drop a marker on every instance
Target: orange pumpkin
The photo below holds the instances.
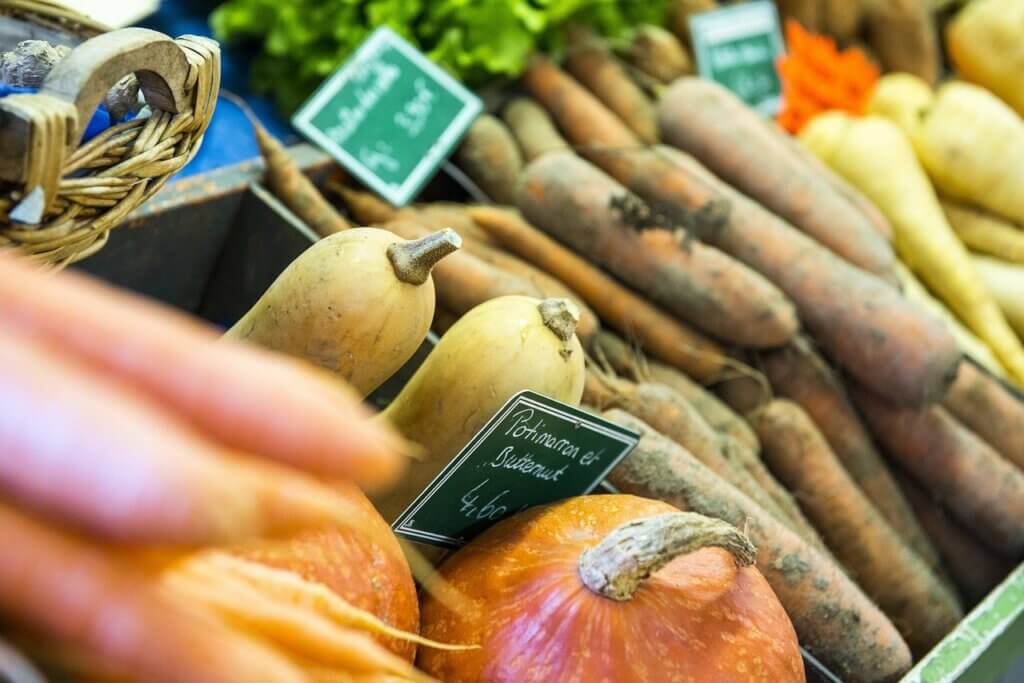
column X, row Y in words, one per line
column 367, row 570
column 609, row 588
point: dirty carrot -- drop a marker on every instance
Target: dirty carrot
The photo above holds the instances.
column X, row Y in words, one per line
column 871, row 212
column 732, row 141
column 834, row 620
column 658, row 54
column 975, row 569
column 889, row 572
column 587, row 123
column 142, row 476
column 862, row 323
column 592, row 63
column 664, row 336
column 989, row 410
column 667, row 412
column 588, row 211
column 490, row 156
column 630, row 363
column 981, row 489
column 288, row 183
column 798, row 373
column 550, row 286
column 71, row 592
column 218, row 388
column 532, row 128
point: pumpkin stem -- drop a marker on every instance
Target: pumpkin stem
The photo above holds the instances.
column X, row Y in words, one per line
column 413, row 259
column 560, row 316
column 617, row 566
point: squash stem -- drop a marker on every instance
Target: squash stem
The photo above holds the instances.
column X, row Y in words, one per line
column 617, row 566
column 560, row 316
column 414, row 259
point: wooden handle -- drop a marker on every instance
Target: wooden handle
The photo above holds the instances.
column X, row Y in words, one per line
column 92, row 68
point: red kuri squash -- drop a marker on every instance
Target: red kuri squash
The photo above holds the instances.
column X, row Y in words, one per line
column 609, row 588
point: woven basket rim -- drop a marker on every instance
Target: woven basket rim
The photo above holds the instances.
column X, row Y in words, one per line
column 56, row 13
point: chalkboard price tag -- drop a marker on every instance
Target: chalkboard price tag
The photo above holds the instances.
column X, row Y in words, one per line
column 737, row 46
column 389, row 115
column 534, row 451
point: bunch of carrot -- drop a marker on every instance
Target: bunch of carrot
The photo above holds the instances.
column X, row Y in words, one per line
column 130, row 434
column 748, row 319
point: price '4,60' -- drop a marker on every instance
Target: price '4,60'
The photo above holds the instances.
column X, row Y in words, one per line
column 490, row 510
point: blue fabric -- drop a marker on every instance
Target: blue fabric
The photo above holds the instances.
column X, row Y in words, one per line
column 229, row 139
column 99, row 122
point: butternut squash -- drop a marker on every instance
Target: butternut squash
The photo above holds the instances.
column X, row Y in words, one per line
column 357, row 303
column 501, row 347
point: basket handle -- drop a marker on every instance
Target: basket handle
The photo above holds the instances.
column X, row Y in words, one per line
column 93, row 67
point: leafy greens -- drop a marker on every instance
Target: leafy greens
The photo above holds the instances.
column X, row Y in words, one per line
column 303, row 41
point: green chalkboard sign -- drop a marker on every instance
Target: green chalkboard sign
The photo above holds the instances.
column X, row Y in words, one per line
column 534, row 451
column 737, row 46
column 389, row 115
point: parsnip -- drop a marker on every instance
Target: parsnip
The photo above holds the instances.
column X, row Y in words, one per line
column 1006, row 280
column 984, row 233
column 968, row 140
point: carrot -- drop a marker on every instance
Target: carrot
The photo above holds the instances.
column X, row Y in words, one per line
column 658, row 54
column 369, row 209
column 976, row 570
column 972, row 347
column 583, row 119
column 631, row 364
column 981, row 489
column 548, row 285
column 287, row 181
column 575, row 202
column 890, row 573
column 532, row 128
column 834, row 620
column 119, row 467
column 67, row 590
column 868, row 329
column 731, row 140
column 467, row 280
column 861, row 203
column 883, row 340
column 799, row 374
column 743, row 392
column 667, row 412
column 989, row 410
column 218, row 387
column 592, row 63
column 489, row 155
column 665, row 337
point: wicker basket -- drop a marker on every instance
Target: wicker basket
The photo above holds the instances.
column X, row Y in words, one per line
column 60, row 199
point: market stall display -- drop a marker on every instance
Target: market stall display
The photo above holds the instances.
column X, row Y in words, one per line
column 810, row 326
